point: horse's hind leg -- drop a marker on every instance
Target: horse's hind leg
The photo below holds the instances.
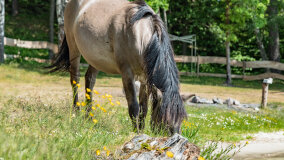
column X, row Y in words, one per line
column 74, row 57
column 75, row 79
column 143, row 104
column 129, row 88
column 90, row 80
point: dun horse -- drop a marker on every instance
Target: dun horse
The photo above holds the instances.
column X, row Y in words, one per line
column 126, row 38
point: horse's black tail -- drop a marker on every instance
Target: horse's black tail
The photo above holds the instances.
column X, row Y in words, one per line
column 162, row 72
column 62, row 62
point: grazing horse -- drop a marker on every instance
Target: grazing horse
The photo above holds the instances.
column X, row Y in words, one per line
column 126, row 38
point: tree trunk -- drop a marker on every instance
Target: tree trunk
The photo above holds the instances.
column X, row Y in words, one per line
column 60, row 6
column 260, row 44
column 51, row 26
column 273, row 30
column 15, row 10
column 228, row 55
column 227, row 43
column 165, row 18
column 2, row 24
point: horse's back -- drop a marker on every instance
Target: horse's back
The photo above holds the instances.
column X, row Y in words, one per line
column 100, row 32
column 89, row 22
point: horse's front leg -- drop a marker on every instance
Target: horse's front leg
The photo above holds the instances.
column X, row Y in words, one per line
column 129, row 88
column 90, row 80
column 143, row 104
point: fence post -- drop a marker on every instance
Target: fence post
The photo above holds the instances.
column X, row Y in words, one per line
column 265, row 86
column 2, row 31
column 197, row 63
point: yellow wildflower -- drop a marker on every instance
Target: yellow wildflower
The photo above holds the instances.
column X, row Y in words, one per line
column 96, row 92
column 98, row 152
column 105, row 148
column 95, row 121
column 247, row 142
column 108, row 96
column 84, row 104
column 78, row 85
column 88, row 90
column 93, row 108
column 117, row 102
column 201, row 158
column 234, row 145
column 78, row 104
column 109, row 99
column 170, row 154
column 103, row 97
column 112, row 104
column 103, row 109
column 108, row 153
column 98, row 105
column 91, row 114
column 74, row 82
column 88, row 96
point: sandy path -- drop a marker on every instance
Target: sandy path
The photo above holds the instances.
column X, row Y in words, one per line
column 263, row 146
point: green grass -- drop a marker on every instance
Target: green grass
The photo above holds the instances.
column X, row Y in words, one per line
column 36, row 127
column 231, row 126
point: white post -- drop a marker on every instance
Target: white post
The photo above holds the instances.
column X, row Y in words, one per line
column 265, row 86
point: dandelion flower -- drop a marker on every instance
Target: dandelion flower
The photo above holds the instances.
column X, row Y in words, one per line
column 112, row 104
column 93, row 108
column 74, row 82
column 108, row 153
column 88, row 90
column 170, row 154
column 117, row 102
column 91, row 114
column 105, row 148
column 98, row 105
column 95, row 121
column 98, row 152
column 78, row 85
column 103, row 97
column 201, row 158
column 78, row 104
column 96, row 92
column 83, row 104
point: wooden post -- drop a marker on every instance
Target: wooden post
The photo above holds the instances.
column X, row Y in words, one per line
column 2, row 31
column 197, row 65
column 265, row 86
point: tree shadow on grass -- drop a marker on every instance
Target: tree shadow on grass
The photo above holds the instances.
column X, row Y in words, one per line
column 278, row 85
column 34, row 66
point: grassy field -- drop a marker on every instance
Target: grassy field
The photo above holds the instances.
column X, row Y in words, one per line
column 37, row 122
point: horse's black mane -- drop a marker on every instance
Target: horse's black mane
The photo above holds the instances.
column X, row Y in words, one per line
column 161, row 69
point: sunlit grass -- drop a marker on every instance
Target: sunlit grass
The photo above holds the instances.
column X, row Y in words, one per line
column 46, row 127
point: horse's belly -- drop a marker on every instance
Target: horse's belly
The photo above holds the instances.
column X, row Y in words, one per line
column 97, row 53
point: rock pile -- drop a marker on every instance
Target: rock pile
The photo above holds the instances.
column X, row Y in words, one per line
column 143, row 147
column 230, row 102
